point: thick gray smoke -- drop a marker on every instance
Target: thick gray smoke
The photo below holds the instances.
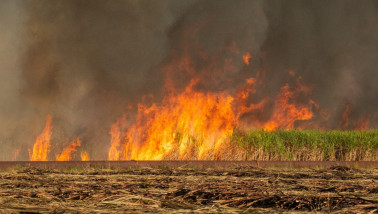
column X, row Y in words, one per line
column 84, row 62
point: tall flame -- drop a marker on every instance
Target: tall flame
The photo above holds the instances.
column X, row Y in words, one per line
column 67, row 151
column 191, row 124
column 196, row 125
column 116, row 138
column 41, row 146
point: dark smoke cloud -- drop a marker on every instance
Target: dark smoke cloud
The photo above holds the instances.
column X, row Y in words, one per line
column 87, row 61
column 84, row 62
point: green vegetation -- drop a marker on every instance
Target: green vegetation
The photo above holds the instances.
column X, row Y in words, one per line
column 307, row 145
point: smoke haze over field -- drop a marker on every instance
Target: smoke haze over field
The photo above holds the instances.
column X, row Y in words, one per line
column 87, row 62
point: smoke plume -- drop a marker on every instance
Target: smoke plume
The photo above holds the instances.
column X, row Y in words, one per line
column 87, row 62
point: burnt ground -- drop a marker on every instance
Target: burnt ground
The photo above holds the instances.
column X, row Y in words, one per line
column 238, row 189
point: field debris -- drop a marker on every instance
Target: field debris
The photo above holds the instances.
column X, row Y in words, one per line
column 189, row 189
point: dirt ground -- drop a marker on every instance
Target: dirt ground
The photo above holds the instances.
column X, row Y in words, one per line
column 238, row 189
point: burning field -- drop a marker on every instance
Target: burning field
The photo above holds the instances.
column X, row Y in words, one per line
column 194, row 80
column 188, row 80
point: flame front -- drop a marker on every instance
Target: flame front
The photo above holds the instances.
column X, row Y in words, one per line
column 66, row 153
column 190, row 125
column 41, row 146
column 116, row 138
column 196, row 125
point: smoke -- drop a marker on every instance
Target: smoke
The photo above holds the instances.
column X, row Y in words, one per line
column 332, row 46
column 85, row 62
column 11, row 48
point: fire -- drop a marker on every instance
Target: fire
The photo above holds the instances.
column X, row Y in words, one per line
column 247, row 57
column 241, row 101
column 285, row 113
column 196, row 125
column 287, row 109
column 41, row 146
column 66, row 153
column 84, row 156
column 116, row 138
column 190, row 125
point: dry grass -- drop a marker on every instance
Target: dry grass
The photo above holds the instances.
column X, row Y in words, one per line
column 188, row 190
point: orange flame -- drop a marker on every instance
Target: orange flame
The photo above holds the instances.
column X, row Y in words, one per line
column 196, row 125
column 286, row 113
column 247, row 57
column 66, row 153
column 242, row 96
column 192, row 124
column 84, row 156
column 189, row 124
column 116, row 133
column 41, row 146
